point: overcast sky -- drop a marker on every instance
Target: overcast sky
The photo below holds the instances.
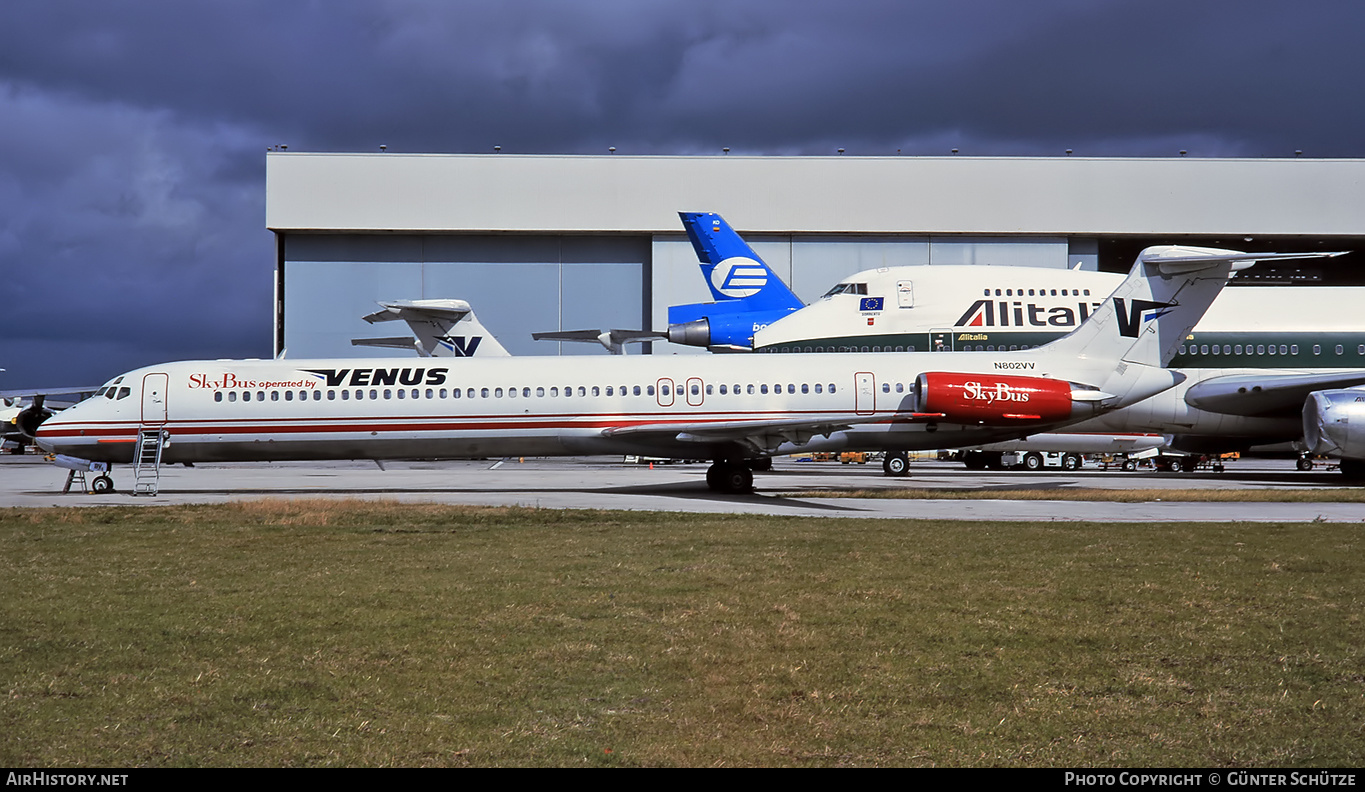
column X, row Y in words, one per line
column 133, row 134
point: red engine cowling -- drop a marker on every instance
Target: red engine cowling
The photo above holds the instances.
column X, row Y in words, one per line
column 993, row 400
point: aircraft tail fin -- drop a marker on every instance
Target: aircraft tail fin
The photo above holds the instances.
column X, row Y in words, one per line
column 1164, row 296
column 441, row 328
column 732, row 269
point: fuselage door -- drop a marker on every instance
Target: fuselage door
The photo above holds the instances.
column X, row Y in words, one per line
column 696, row 392
column 864, row 393
column 905, row 294
column 154, row 387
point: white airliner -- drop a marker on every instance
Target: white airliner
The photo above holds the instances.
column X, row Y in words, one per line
column 730, row 408
column 1265, row 365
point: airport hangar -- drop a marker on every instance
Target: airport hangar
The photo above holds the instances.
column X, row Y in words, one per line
column 544, row 242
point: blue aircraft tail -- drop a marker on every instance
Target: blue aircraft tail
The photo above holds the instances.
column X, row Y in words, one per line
column 733, row 270
column 748, row 294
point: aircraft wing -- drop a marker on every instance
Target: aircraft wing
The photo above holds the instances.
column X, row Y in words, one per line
column 1266, row 395
column 760, row 435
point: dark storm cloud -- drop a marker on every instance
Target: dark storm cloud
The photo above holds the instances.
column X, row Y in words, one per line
column 132, row 134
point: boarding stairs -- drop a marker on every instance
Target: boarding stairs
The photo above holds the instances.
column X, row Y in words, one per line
column 147, row 460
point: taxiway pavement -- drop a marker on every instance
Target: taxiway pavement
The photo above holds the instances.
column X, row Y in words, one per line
column 609, row 484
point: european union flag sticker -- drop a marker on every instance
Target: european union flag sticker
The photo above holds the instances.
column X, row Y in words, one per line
column 870, row 304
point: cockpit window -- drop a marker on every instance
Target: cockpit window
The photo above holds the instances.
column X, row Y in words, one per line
column 847, row 288
column 122, row 392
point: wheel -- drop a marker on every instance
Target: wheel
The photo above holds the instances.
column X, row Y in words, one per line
column 102, row 484
column 1129, row 464
column 1071, row 462
column 1176, row 466
column 1304, row 463
column 896, row 464
column 1033, row 461
column 734, row 478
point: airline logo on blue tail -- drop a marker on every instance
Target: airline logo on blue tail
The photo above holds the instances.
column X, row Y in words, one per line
column 739, row 277
column 1132, row 316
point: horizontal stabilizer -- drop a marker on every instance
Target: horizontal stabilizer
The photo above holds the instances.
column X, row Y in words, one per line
column 613, row 340
column 393, row 342
column 442, row 310
column 1177, row 259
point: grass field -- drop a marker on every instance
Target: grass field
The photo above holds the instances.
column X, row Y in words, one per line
column 312, row 633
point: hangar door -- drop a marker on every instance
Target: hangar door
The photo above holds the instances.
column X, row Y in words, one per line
column 516, row 284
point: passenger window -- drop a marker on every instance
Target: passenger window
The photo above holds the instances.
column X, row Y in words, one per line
column 232, row 396
column 636, row 390
column 288, row 395
column 217, row 396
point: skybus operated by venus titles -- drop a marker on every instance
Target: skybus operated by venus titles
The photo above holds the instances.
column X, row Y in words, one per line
column 732, row 409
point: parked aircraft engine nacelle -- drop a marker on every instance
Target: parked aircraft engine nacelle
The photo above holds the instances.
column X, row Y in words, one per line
column 991, row 400
column 1334, row 423
column 30, row 418
column 695, row 333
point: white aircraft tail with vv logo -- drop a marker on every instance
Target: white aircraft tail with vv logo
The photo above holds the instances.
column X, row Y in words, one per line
column 1164, row 296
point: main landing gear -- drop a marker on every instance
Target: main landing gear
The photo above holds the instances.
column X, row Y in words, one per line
column 733, row 477
column 896, row 463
